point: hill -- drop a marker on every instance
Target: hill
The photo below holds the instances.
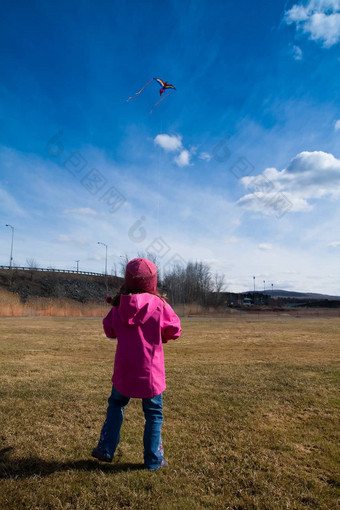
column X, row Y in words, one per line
column 279, row 293
column 82, row 288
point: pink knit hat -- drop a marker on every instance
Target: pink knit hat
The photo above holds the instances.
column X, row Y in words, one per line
column 141, row 275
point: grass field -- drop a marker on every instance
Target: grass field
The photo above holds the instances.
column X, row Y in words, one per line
column 251, row 418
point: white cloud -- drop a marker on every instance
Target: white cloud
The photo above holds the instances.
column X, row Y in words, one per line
column 276, row 203
column 81, row 211
column 309, row 176
column 205, row 156
column 8, row 204
column 95, row 258
column 265, row 246
column 324, row 28
column 173, row 143
column 337, row 125
column 334, row 244
column 319, row 19
column 183, row 159
column 233, row 240
column 64, row 238
column 297, row 52
column 170, row 143
column 296, row 14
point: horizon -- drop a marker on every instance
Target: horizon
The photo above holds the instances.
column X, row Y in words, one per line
column 268, row 291
column 239, row 167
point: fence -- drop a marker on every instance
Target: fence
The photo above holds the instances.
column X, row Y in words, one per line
column 50, row 270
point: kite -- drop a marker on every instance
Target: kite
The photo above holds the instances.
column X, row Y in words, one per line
column 165, row 86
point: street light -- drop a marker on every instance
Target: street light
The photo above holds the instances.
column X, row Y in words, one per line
column 254, row 288
column 11, row 258
column 105, row 255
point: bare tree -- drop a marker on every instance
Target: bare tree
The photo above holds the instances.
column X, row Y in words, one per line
column 124, row 259
column 174, row 284
column 192, row 283
column 32, row 263
column 219, row 281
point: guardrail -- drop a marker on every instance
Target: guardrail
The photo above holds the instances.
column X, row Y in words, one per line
column 50, row 270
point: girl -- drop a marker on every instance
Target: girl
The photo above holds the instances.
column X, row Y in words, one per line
column 141, row 321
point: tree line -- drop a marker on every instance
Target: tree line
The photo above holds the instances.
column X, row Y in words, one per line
column 194, row 282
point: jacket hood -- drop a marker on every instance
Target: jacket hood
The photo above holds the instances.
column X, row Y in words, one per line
column 136, row 309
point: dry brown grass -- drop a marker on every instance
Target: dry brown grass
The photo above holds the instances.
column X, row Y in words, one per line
column 251, row 418
column 11, row 306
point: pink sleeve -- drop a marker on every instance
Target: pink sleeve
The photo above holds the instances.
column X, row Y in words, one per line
column 170, row 324
column 107, row 325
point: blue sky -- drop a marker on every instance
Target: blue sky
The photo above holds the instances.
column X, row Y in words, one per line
column 239, row 167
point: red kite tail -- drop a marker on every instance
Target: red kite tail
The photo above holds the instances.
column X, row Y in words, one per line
column 154, row 106
column 141, row 90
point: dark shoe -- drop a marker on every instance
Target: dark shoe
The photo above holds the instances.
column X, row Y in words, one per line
column 162, row 465
column 100, row 454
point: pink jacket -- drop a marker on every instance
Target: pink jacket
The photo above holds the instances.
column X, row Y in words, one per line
column 141, row 323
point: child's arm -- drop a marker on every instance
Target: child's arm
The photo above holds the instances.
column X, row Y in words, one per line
column 170, row 325
column 107, row 325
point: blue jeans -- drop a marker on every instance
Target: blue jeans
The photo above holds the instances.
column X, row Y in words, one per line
column 152, row 407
